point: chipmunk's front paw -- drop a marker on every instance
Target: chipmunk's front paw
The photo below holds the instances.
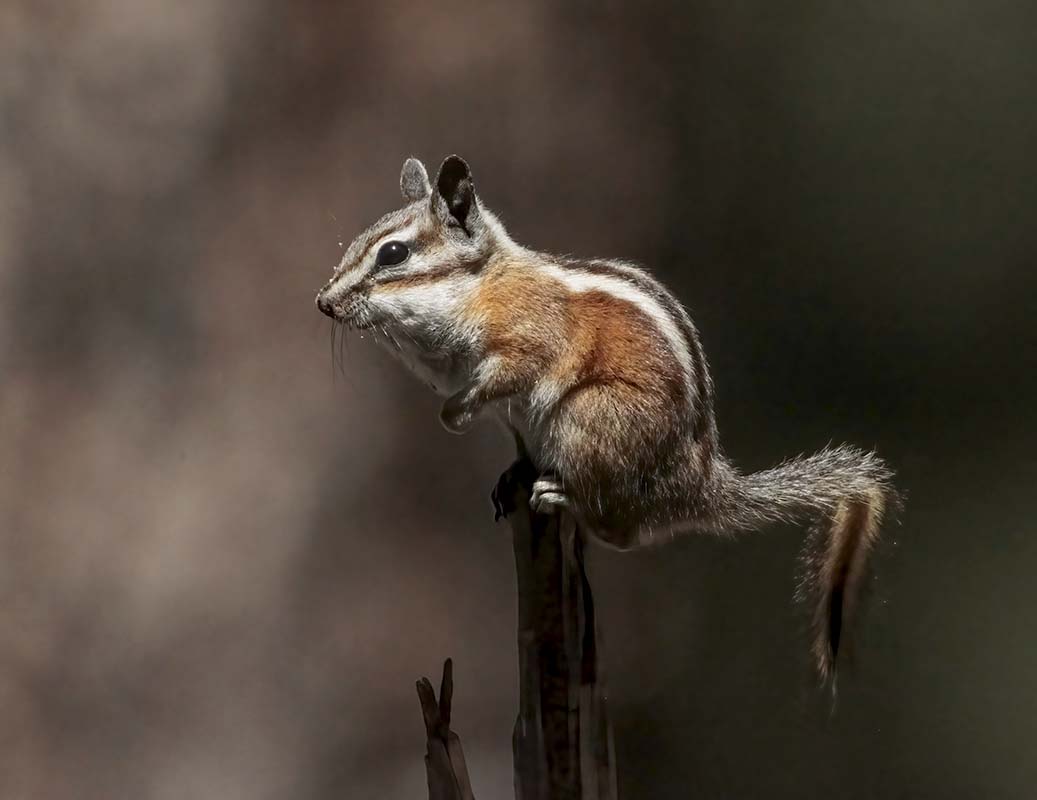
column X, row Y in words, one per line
column 455, row 416
column 548, row 496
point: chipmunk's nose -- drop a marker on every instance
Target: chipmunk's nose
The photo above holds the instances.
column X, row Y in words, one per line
column 324, row 304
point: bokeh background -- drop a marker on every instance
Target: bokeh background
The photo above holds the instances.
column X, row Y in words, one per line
column 226, row 554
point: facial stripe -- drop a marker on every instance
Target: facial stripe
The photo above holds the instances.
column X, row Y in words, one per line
column 396, row 230
column 345, row 282
column 405, row 232
column 406, row 280
column 349, row 278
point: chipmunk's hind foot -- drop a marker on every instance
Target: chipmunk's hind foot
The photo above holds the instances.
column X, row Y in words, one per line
column 548, row 496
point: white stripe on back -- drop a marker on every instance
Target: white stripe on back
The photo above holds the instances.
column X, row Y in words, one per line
column 576, row 280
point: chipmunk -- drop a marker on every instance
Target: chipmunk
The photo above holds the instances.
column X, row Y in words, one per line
column 599, row 372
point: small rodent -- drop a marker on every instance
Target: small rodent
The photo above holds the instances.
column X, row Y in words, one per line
column 600, row 372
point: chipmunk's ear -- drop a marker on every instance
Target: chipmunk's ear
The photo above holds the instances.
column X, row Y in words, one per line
column 414, row 181
column 454, row 200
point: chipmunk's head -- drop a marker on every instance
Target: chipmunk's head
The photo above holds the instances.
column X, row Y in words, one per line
column 409, row 271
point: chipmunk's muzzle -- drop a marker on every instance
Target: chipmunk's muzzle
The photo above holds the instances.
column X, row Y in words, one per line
column 325, row 305
column 350, row 310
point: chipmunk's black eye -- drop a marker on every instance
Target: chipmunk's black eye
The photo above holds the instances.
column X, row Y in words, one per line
column 391, row 253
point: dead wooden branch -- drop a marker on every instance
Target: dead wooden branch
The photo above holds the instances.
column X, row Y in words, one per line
column 444, row 759
column 562, row 742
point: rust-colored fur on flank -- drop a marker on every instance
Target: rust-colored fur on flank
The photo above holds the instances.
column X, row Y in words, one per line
column 610, row 342
column 615, row 389
column 542, row 331
column 518, row 314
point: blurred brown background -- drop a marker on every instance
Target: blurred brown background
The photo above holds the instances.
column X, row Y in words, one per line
column 224, row 562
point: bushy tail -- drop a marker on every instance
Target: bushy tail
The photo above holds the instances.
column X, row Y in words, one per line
column 845, row 491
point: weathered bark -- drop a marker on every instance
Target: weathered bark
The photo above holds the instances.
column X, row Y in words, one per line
column 444, row 759
column 562, row 742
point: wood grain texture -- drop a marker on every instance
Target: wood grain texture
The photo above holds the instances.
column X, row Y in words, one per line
column 562, row 742
column 445, row 766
